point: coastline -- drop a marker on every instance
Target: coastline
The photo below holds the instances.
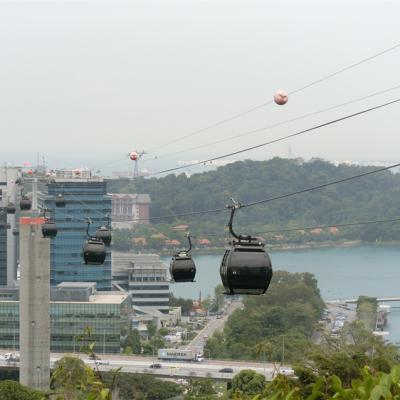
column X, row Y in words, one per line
column 287, row 247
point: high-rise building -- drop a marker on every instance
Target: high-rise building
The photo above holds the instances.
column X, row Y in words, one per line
column 8, row 225
column 145, row 277
column 3, row 246
column 86, row 197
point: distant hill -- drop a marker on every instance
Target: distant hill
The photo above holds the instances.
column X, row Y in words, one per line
column 372, row 197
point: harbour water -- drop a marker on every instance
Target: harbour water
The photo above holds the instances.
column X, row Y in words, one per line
column 343, row 272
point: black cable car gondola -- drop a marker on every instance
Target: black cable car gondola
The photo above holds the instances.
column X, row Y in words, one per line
column 60, row 200
column 11, row 208
column 182, row 267
column 104, row 233
column 25, row 203
column 245, row 267
column 94, row 250
column 49, row 228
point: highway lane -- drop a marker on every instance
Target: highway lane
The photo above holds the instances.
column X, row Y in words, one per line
column 213, row 324
column 210, row 368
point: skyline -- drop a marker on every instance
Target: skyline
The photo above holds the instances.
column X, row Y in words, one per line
column 83, row 78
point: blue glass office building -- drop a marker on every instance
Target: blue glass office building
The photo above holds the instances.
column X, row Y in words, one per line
column 85, row 198
column 3, row 247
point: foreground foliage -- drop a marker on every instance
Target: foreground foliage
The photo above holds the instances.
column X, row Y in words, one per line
column 370, row 385
column 11, row 390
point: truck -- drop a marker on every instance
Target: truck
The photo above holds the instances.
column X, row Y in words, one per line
column 179, row 355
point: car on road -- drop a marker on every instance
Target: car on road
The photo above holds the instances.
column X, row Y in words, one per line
column 102, row 362
column 155, row 365
column 226, row 370
column 286, row 371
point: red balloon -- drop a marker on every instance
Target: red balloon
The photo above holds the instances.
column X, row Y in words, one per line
column 281, row 97
column 30, row 172
column 133, row 156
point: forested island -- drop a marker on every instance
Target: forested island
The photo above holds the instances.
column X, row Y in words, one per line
column 373, row 197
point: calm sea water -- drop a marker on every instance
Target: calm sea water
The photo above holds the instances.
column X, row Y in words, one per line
column 341, row 273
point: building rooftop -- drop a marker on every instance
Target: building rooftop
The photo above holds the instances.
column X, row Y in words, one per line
column 108, row 298
column 137, row 197
column 75, row 285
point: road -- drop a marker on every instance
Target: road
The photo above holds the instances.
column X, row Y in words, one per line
column 214, row 323
column 178, row 369
column 334, row 312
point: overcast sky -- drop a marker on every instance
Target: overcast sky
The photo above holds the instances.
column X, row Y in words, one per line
column 84, row 83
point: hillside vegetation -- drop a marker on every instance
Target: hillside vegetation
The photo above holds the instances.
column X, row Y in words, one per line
column 289, row 313
column 373, row 197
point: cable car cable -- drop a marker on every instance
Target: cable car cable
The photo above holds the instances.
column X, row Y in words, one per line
column 348, row 224
column 304, row 228
column 290, row 194
column 83, row 203
column 246, row 149
column 324, row 185
column 268, row 127
column 312, row 83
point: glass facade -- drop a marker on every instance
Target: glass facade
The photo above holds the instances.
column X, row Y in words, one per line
column 85, row 198
column 3, row 247
column 108, row 322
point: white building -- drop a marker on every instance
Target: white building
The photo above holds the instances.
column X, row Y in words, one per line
column 145, row 276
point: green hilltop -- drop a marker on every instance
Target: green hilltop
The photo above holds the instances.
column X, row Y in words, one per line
column 372, row 197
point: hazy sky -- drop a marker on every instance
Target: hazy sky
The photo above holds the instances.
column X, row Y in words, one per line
column 84, row 83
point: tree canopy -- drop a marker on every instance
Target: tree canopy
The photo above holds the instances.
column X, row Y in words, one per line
column 289, row 312
column 375, row 196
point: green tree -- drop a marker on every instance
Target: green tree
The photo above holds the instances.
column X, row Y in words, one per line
column 201, row 389
column 11, row 390
column 72, row 379
column 152, row 346
column 151, row 329
column 264, row 349
column 133, row 341
column 219, row 297
column 292, row 308
column 139, row 386
column 248, row 382
column 121, row 240
column 185, row 304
